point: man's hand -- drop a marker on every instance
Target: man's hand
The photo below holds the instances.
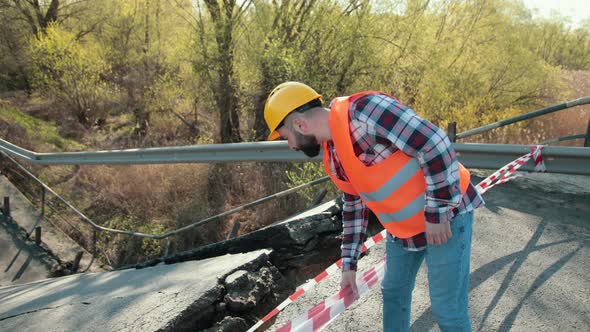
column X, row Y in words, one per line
column 349, row 279
column 438, row 233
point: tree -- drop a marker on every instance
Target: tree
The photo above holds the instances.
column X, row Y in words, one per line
column 137, row 49
column 214, row 27
column 69, row 71
column 38, row 15
column 276, row 61
column 322, row 43
column 13, row 62
column 22, row 19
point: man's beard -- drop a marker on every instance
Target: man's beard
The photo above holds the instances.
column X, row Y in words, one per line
column 308, row 144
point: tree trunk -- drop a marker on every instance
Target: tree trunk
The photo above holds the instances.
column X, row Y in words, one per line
column 38, row 21
column 141, row 113
column 266, row 86
column 227, row 98
column 225, row 91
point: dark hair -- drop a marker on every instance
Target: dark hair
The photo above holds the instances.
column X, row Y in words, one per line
column 314, row 103
column 303, row 108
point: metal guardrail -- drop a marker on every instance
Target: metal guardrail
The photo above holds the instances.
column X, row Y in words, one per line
column 235, row 152
column 85, row 219
column 559, row 159
column 569, row 160
column 543, row 111
column 565, row 138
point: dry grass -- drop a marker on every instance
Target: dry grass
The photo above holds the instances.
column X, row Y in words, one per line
column 567, row 122
column 145, row 191
column 257, row 180
column 158, row 198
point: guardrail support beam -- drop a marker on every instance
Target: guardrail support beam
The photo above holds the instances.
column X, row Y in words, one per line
column 42, row 202
column 318, row 198
column 234, row 230
column 587, row 140
column 77, row 260
column 38, row 235
column 452, row 131
column 6, row 208
column 169, row 247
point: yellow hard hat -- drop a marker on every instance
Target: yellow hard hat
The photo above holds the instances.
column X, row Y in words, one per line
column 283, row 100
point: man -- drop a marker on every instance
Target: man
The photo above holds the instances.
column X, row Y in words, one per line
column 403, row 168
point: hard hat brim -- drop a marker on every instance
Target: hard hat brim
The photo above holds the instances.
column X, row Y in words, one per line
column 274, row 136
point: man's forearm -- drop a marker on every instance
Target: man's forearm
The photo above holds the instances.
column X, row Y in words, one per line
column 354, row 227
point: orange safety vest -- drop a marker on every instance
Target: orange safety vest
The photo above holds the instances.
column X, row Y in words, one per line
column 394, row 189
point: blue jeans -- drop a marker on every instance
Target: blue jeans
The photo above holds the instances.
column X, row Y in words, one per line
column 448, row 280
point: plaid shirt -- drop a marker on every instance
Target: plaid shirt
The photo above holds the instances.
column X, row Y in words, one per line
column 380, row 126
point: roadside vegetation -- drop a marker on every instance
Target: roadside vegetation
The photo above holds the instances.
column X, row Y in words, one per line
column 81, row 75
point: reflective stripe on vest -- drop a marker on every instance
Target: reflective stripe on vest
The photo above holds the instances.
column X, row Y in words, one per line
column 393, row 184
column 411, row 209
column 394, row 189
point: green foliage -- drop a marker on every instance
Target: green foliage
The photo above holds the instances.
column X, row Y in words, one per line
column 558, row 44
column 305, row 173
column 449, row 60
column 69, row 70
column 152, row 247
column 459, row 61
column 143, row 247
column 39, row 133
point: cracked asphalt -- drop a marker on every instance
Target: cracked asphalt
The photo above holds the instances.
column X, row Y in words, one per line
column 127, row 300
column 529, row 266
column 529, row 272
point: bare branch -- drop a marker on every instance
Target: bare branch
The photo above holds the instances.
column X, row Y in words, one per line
column 184, row 11
column 84, row 32
column 28, row 16
column 243, row 8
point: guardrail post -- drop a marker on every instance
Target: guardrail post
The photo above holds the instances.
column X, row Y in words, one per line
column 452, row 131
column 38, row 235
column 94, row 242
column 234, row 230
column 42, row 202
column 6, row 208
column 77, row 260
column 587, row 140
column 318, row 198
column 169, row 247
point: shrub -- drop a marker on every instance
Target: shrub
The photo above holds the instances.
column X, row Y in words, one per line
column 68, row 70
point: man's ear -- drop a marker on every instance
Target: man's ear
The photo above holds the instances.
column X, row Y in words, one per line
column 301, row 125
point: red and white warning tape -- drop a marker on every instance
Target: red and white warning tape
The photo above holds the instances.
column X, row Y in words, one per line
column 508, row 172
column 331, row 270
column 326, row 311
column 322, row 314
column 538, row 158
